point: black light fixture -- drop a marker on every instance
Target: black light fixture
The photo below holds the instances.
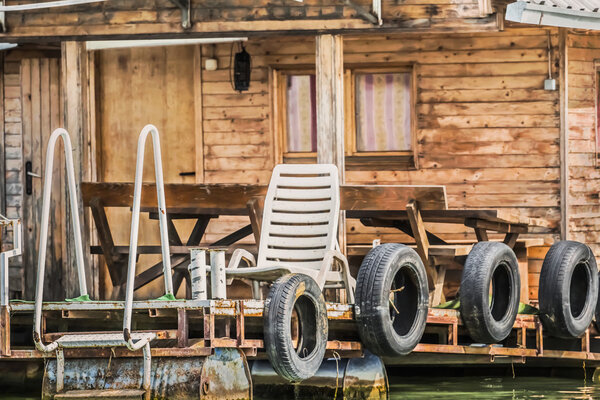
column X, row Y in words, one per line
column 241, row 70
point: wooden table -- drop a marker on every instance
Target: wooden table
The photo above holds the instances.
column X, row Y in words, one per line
column 403, row 207
column 205, row 202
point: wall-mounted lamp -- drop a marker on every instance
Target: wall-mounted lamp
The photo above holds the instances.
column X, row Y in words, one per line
column 241, row 70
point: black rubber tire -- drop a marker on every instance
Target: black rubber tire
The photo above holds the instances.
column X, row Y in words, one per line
column 383, row 330
column 597, row 313
column 301, row 293
column 490, row 320
column 568, row 289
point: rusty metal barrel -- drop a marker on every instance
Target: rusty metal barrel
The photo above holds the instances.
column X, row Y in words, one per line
column 354, row 378
column 224, row 374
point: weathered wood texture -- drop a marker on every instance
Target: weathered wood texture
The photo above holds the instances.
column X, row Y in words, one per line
column 12, row 159
column 137, row 87
column 143, row 17
column 40, row 99
column 584, row 175
column 486, row 128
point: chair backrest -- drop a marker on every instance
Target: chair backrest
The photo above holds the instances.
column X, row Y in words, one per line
column 300, row 217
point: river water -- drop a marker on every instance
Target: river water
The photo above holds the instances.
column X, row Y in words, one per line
column 466, row 388
column 476, row 388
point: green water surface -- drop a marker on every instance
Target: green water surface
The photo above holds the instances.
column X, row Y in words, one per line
column 468, row 388
column 475, row 388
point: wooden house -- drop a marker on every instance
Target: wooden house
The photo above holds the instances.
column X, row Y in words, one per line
column 442, row 92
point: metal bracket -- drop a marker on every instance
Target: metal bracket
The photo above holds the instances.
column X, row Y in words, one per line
column 186, row 12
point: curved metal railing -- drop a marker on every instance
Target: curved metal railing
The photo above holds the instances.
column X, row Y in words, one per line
column 47, row 191
column 135, row 219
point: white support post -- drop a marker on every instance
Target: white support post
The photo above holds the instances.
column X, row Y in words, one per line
column 197, row 270
column 218, row 278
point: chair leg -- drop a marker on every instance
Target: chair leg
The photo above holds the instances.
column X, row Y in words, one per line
column 349, row 281
column 256, row 292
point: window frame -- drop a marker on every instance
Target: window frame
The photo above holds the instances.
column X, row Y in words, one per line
column 281, row 115
column 354, row 159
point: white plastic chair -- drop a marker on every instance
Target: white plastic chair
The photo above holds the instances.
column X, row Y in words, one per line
column 299, row 229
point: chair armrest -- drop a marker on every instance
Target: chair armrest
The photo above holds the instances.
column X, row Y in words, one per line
column 236, row 258
column 241, row 254
column 337, row 255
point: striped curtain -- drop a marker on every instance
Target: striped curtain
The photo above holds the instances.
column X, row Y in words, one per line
column 383, row 112
column 301, row 113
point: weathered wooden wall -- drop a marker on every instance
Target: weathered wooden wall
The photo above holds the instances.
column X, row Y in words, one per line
column 486, row 128
column 40, row 104
column 136, row 87
column 584, row 175
column 13, row 160
column 129, row 17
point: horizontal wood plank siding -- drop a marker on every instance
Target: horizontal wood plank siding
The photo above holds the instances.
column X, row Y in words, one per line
column 486, row 128
column 145, row 17
column 584, row 174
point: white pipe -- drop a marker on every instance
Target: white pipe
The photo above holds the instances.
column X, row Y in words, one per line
column 120, row 44
column 197, row 270
column 135, row 219
column 218, row 278
column 47, row 4
column 5, row 256
column 39, row 290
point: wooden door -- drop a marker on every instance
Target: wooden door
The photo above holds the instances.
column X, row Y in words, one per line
column 136, row 87
column 40, row 108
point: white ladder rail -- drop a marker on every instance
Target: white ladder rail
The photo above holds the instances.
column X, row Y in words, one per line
column 39, row 291
column 6, row 255
column 135, row 217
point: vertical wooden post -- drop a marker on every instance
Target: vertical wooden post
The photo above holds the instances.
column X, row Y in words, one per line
column 330, row 109
column 2, row 150
column 564, row 133
column 330, row 101
column 74, row 100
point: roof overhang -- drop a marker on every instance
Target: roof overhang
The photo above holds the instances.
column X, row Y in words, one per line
column 537, row 14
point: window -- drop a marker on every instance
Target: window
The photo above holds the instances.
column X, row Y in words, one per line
column 379, row 115
column 301, row 112
column 383, row 112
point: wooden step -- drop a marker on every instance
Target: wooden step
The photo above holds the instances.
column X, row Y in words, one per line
column 125, row 394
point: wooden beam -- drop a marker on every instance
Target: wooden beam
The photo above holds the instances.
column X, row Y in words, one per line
column 511, row 239
column 564, row 132
column 2, row 149
column 420, row 235
column 330, row 101
column 485, row 7
column 4, row 331
column 481, row 234
column 116, row 263
column 74, row 99
column 330, row 110
column 232, row 199
column 502, row 227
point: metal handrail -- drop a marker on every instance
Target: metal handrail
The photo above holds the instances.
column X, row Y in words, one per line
column 39, row 290
column 6, row 255
column 135, row 219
